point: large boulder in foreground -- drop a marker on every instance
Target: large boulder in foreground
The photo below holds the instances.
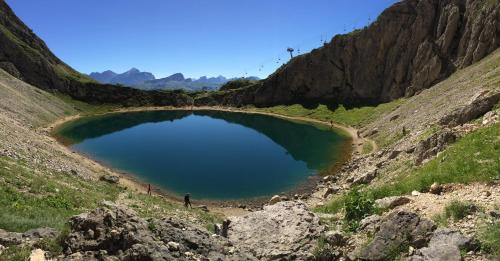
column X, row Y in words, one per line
column 283, row 231
column 117, row 233
column 397, row 231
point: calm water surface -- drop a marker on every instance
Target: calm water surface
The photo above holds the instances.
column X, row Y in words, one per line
column 212, row 155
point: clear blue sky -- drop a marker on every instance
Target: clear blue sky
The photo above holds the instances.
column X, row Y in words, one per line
column 195, row 37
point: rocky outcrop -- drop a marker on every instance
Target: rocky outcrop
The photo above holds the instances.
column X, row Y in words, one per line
column 14, row 238
column 117, row 233
column 283, row 231
column 444, row 245
column 397, row 230
column 479, row 105
column 432, row 145
column 26, row 57
column 411, row 46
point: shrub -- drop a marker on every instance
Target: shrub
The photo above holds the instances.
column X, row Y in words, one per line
column 358, row 205
column 236, row 84
column 458, row 209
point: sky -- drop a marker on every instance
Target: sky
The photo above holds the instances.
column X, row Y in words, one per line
column 195, row 37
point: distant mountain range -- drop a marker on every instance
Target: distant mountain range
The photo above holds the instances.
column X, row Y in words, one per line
column 147, row 81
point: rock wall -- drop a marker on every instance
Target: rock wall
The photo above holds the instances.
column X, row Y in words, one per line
column 25, row 56
column 412, row 45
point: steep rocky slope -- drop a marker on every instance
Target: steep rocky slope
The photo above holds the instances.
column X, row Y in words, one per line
column 25, row 56
column 410, row 47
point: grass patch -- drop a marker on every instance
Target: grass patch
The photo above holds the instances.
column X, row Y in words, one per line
column 367, row 147
column 459, row 209
column 353, row 117
column 489, row 236
column 30, row 199
column 474, row 158
column 16, row 253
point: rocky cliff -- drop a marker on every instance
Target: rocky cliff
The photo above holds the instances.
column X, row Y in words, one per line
column 411, row 46
column 25, row 56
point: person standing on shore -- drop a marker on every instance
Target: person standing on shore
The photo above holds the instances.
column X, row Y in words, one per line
column 187, row 201
column 149, row 189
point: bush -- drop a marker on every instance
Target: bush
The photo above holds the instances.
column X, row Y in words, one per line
column 458, row 209
column 358, row 205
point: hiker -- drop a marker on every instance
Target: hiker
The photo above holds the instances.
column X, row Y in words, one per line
column 331, row 124
column 149, row 189
column 187, row 201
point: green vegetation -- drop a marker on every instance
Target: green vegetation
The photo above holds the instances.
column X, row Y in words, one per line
column 353, row 117
column 28, row 197
column 367, row 148
column 458, row 209
column 474, row 158
column 87, row 109
column 489, row 236
column 236, row 84
column 357, row 206
column 16, row 253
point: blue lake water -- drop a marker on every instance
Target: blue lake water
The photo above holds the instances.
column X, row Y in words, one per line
column 210, row 154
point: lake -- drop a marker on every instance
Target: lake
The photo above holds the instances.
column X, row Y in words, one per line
column 213, row 155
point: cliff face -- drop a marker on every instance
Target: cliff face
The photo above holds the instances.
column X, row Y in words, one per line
column 25, row 56
column 412, row 45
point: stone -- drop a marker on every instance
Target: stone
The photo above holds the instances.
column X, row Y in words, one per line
column 173, row 246
column 10, row 238
column 365, row 178
column 495, row 213
column 203, row 208
column 120, row 234
column 445, row 244
column 370, row 223
column 335, row 238
column 393, row 154
column 415, row 193
column 430, row 147
column 436, row 188
column 331, row 190
column 275, row 199
column 480, row 104
column 37, row 255
column 39, row 233
column 2, row 248
column 398, row 229
column 490, row 118
column 391, row 202
column 286, row 230
column 110, row 179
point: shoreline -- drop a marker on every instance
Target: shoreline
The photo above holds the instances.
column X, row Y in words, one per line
column 353, row 146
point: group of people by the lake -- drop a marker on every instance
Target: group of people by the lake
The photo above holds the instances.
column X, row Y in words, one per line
column 187, row 198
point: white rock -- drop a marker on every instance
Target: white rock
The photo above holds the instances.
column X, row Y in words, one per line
column 275, row 199
column 37, row 255
column 173, row 246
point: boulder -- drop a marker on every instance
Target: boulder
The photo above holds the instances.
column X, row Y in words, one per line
column 39, row 233
column 10, row 238
column 37, row 255
column 391, row 202
column 335, row 238
column 118, row 233
column 436, row 188
column 275, row 199
column 110, row 179
column 331, row 190
column 432, row 145
column 370, row 223
column 396, row 230
column 480, row 104
column 365, row 178
column 283, row 231
column 444, row 245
